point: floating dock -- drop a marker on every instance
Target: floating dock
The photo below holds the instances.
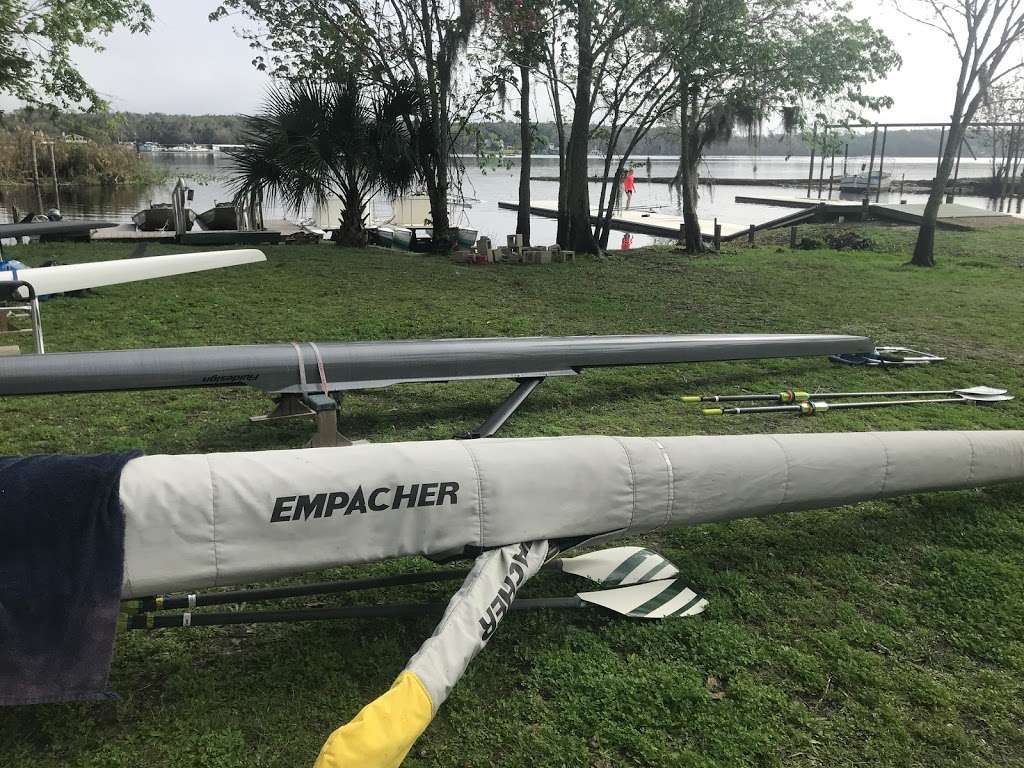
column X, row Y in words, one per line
column 646, row 222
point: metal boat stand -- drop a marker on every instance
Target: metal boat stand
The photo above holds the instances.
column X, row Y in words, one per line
column 504, row 411
column 324, row 408
column 12, row 303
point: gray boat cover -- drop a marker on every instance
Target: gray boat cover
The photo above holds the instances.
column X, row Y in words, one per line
column 196, row 521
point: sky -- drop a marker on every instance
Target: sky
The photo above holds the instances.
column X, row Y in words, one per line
column 189, row 65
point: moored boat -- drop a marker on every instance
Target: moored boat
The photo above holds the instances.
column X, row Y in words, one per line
column 221, row 216
column 159, row 217
column 858, row 182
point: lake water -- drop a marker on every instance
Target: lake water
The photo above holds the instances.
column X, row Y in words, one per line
column 208, row 174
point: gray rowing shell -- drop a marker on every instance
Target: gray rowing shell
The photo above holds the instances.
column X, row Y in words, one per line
column 281, row 368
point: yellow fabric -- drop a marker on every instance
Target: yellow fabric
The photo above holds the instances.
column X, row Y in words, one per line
column 383, row 732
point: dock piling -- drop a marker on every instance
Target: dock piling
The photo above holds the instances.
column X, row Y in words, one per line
column 718, row 236
column 792, row 236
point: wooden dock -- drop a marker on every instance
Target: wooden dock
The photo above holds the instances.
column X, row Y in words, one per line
column 951, row 215
column 647, row 222
column 131, row 234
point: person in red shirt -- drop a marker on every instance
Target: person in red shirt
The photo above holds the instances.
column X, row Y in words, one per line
column 629, row 187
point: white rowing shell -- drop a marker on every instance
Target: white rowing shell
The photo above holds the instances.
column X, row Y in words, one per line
column 77, row 277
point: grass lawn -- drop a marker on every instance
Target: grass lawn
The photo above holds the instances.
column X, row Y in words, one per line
column 883, row 634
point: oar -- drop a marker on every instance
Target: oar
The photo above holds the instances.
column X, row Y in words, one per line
column 813, row 407
column 797, row 396
column 614, row 566
column 665, row 598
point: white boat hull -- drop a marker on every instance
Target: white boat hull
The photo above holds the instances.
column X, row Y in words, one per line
column 77, row 277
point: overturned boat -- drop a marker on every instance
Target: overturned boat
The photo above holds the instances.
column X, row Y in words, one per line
column 307, row 377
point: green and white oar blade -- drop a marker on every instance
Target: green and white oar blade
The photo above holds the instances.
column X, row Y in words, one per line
column 619, row 566
column 651, row 600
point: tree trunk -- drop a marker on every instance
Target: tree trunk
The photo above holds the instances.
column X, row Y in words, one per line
column 692, row 238
column 526, row 142
column 352, row 233
column 574, row 219
column 924, row 248
column 688, row 178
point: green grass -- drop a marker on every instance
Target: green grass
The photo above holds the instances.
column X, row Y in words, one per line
column 888, row 633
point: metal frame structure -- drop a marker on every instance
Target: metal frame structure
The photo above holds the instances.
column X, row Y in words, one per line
column 827, row 127
column 11, row 302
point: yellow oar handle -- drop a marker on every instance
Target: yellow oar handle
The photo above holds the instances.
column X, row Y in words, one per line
column 690, row 398
column 713, row 411
column 793, row 396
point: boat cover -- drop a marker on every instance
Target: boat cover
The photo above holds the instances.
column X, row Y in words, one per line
column 196, row 521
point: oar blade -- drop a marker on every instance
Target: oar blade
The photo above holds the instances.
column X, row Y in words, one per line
column 981, row 391
column 650, row 600
column 617, row 566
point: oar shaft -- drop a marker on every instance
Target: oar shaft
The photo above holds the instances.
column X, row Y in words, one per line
column 887, row 403
column 398, row 610
column 171, row 602
column 812, row 407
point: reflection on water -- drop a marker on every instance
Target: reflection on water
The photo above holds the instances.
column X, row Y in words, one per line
column 209, row 176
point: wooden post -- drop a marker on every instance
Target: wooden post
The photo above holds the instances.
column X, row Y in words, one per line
column 792, row 236
column 750, row 234
column 718, row 236
column 682, row 234
column 810, row 173
column 821, row 172
column 35, row 176
column 831, row 174
column 881, row 164
column 871, row 167
column 53, row 167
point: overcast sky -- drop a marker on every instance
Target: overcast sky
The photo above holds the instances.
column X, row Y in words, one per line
column 190, row 65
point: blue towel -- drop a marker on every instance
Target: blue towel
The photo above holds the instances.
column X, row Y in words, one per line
column 61, row 566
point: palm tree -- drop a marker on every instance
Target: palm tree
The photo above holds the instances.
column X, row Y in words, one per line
column 315, row 140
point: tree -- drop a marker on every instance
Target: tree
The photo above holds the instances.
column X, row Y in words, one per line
column 392, row 45
column 743, row 61
column 1005, row 107
column 316, row 139
column 520, row 37
column 37, row 38
column 984, row 33
column 589, row 62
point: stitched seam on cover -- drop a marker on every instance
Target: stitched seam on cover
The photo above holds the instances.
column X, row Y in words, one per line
column 479, row 490
column 671, row 484
column 213, row 520
column 888, row 466
column 632, row 482
column 970, row 473
column 785, row 453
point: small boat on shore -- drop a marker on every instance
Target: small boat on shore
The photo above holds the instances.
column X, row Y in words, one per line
column 417, row 239
column 160, row 218
column 221, row 216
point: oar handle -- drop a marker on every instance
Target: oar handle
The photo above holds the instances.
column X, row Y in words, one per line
column 797, row 408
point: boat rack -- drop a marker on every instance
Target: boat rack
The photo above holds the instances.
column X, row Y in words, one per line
column 325, row 408
column 12, row 305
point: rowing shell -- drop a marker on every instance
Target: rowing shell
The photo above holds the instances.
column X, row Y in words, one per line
column 76, row 277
